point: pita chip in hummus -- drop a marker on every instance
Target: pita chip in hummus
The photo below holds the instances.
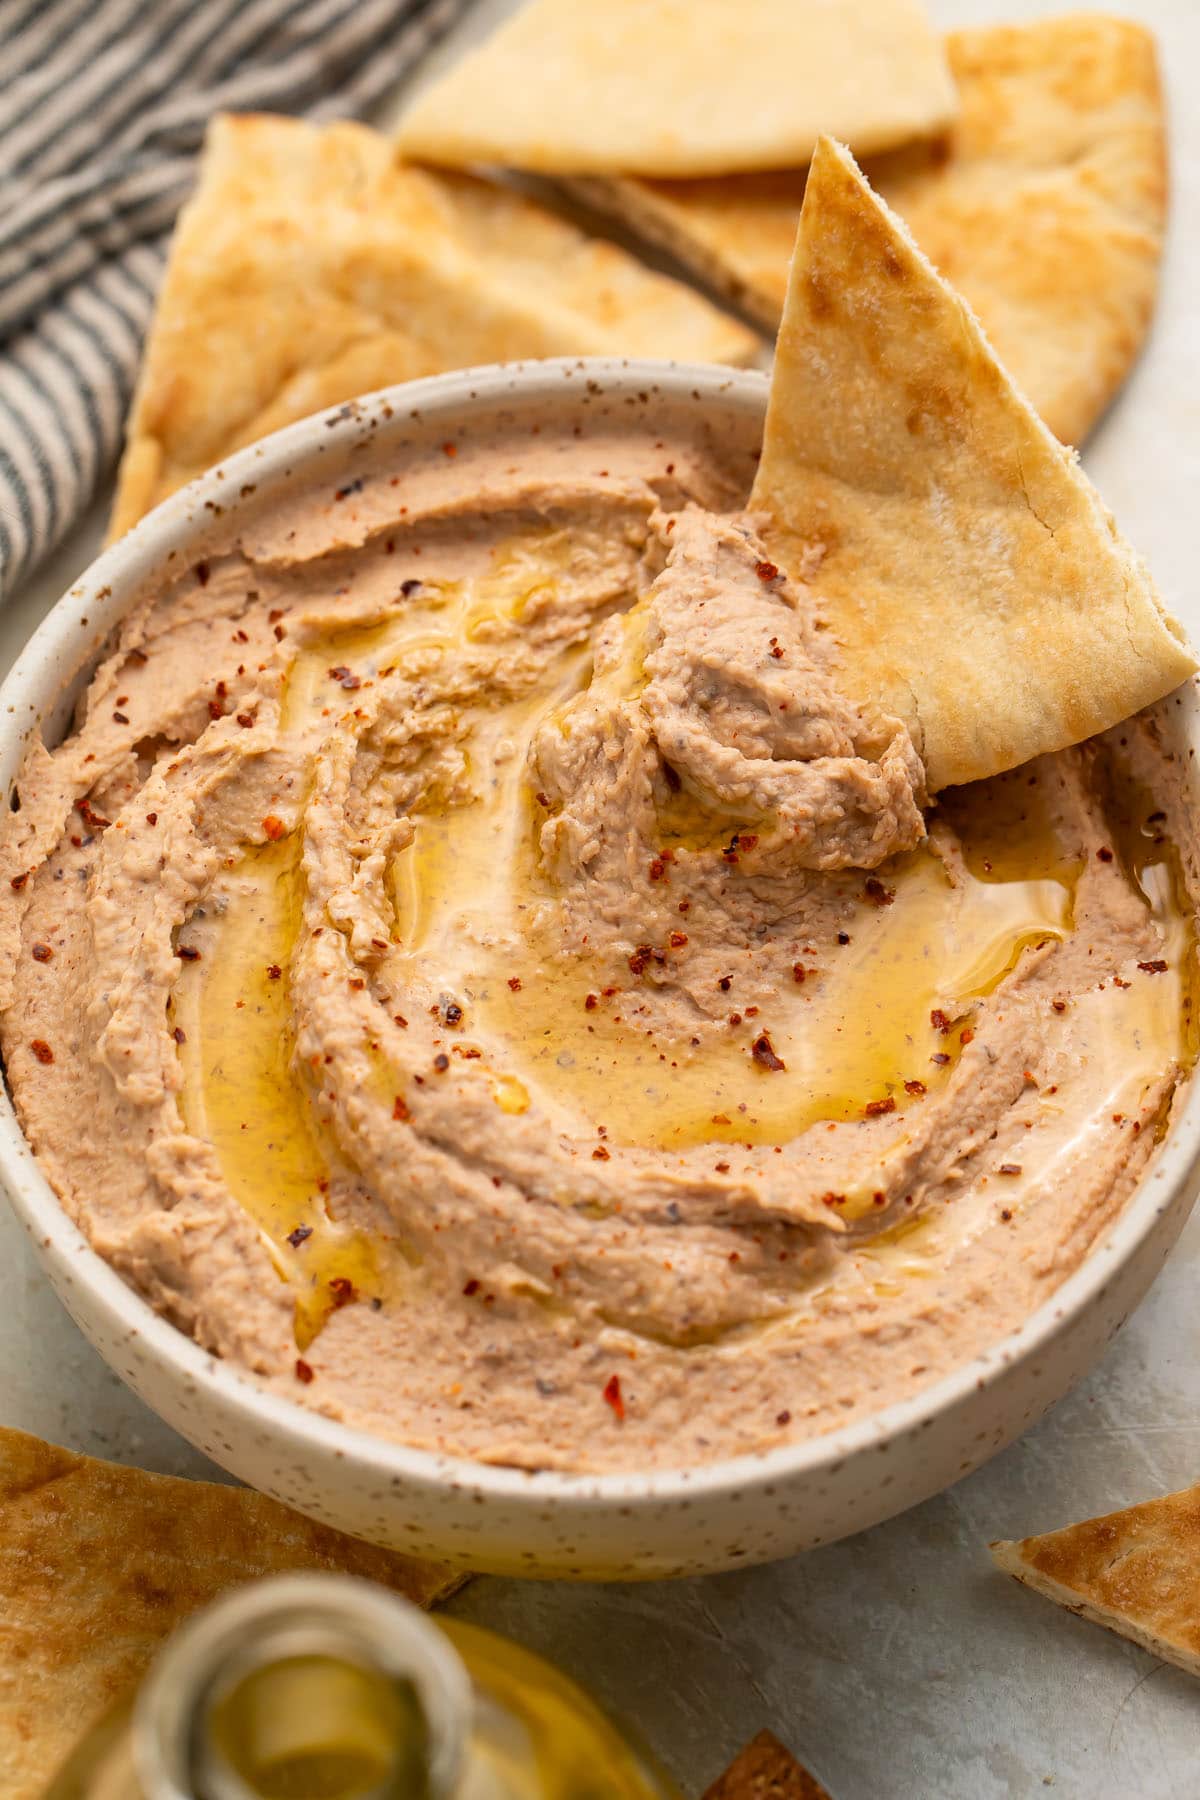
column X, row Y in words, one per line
column 1044, row 204
column 98, row 1565
column 685, row 87
column 973, row 578
column 311, row 266
column 1136, row 1571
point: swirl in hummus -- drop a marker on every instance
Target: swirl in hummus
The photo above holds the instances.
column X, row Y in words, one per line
column 469, row 965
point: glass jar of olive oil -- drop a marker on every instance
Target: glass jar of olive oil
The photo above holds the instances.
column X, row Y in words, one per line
column 318, row 1687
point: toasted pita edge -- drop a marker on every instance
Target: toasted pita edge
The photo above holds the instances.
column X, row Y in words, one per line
column 955, row 747
column 766, row 1770
column 1010, row 1556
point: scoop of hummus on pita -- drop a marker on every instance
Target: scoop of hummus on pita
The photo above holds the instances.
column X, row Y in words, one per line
column 489, row 961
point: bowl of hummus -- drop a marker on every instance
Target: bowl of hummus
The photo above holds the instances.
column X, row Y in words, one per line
column 503, row 1054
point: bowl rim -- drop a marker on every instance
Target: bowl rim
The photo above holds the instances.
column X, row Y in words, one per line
column 110, row 582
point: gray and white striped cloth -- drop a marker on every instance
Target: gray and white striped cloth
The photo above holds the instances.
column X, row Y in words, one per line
column 103, row 106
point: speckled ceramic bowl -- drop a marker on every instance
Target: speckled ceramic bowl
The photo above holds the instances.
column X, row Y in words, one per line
column 630, row 1525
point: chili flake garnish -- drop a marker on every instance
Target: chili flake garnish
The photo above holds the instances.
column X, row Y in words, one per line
column 1009, row 1169
column 677, row 939
column 764, row 1055
column 304, row 1371
column 766, row 571
column 400, row 1108
column 939, row 1021
column 591, row 1002
column 1157, row 967
column 299, row 1236
column 915, row 1087
column 799, row 972
column 345, row 678
column 441, row 1062
column 612, row 1393
column 875, row 891
column 343, row 1290
column 92, row 819
column 600, row 1154
column 187, row 952
column 274, row 828
column 783, row 1418
column 470, row 1287
column 274, row 972
column 514, row 982
column 42, row 953
column 18, row 881
column 874, row 1109
column 41, row 1050
column 1104, row 853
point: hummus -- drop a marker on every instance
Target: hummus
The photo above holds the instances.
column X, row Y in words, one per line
column 470, row 966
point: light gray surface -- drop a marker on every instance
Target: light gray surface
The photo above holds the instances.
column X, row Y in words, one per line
column 898, row 1664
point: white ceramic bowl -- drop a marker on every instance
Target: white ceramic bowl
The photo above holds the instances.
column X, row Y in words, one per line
column 632, row 1525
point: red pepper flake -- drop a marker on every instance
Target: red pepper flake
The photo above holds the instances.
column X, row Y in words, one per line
column 591, row 1002
column 966, row 1036
column 280, row 634
column 722, row 1168
column 766, row 571
column 92, row 819
column 658, row 869
column 357, row 984
column 275, row 614
column 345, row 678
column 215, row 710
column 915, row 1087
column 875, row 1109
column 1104, row 853
column 833, row 1199
column 441, row 1062
column 879, row 1198
column 600, row 1154
column 470, row 1287
column 1157, row 967
column 940, row 1058
column 514, row 982
column 875, row 891
column 179, row 1034
column 245, row 720
column 612, row 1393
column 299, row 1236
column 1009, row 1169
column 764, row 1055
column 41, row 1050
column 939, row 1021
column 18, row 881
column 187, row 952
column 641, row 958
column 449, row 449
column 452, row 1013
column 152, row 818
column 677, row 939
column 725, row 983
column 343, row 1290
column 274, row 972
column 799, row 973
column 304, row 1371
column 42, row 953
column 400, row 1108
column 783, row 1418
column 274, row 828
column 777, row 653
column 543, row 800
column 121, row 718
column 1060, row 1006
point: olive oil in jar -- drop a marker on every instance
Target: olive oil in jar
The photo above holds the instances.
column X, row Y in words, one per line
column 318, row 1687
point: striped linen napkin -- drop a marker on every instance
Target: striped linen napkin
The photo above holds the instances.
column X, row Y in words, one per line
column 103, row 107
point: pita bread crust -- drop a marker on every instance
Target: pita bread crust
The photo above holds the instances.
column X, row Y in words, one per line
column 685, row 87
column 98, row 1563
column 1136, row 1572
column 765, row 1770
column 972, row 577
column 311, row 266
column 1045, row 206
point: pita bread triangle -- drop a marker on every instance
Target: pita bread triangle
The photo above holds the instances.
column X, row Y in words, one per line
column 685, row 87
column 1044, row 204
column 98, row 1563
column 1136, row 1571
column 311, row 266
column 968, row 570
